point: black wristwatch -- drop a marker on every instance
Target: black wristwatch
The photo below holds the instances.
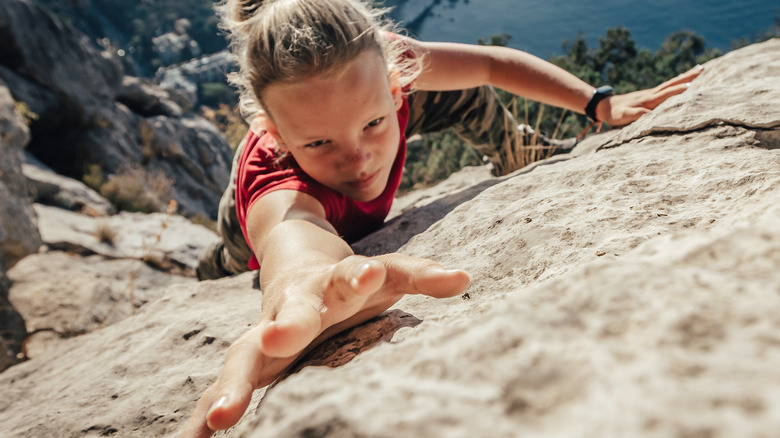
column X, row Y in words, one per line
column 598, row 96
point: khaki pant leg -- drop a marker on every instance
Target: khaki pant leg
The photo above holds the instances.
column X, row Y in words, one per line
column 230, row 254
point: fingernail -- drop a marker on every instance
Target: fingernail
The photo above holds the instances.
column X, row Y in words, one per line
column 357, row 274
column 219, row 403
column 359, row 271
column 699, row 67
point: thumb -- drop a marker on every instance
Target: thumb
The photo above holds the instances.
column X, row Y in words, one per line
column 410, row 275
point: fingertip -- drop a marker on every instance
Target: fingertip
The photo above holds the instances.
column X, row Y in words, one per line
column 289, row 334
column 222, row 414
column 441, row 283
column 214, row 413
column 367, row 277
column 462, row 277
column 358, row 273
column 462, row 274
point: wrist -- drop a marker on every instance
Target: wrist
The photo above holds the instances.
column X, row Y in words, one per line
column 593, row 109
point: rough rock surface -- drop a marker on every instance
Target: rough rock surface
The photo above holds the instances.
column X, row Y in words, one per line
column 18, row 233
column 88, row 113
column 53, row 189
column 629, row 290
column 168, row 240
column 61, row 295
column 145, row 98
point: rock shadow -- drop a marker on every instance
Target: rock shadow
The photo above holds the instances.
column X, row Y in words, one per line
column 345, row 346
column 397, row 232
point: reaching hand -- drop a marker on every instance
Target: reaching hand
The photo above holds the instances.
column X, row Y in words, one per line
column 625, row 108
column 304, row 312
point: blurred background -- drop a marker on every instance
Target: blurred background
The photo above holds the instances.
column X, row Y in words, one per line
column 540, row 26
column 628, row 44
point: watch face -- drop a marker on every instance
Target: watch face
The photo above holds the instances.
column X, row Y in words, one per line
column 605, row 90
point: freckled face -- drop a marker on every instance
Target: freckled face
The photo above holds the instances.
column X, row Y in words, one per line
column 340, row 127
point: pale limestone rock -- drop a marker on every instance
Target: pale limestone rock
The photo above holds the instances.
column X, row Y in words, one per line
column 50, row 188
column 169, row 239
column 62, row 295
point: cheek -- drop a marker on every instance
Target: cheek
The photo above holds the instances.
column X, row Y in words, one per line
column 387, row 142
column 316, row 167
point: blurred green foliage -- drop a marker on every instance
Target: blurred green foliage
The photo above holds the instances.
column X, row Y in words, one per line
column 615, row 61
column 214, row 94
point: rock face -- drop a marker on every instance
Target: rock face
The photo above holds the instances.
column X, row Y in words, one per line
column 88, row 113
column 18, row 233
column 629, row 289
column 96, row 271
column 50, row 188
column 172, row 240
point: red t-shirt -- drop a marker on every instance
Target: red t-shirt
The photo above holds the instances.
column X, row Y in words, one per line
column 257, row 174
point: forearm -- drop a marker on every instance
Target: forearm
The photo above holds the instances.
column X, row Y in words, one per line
column 526, row 75
column 449, row 66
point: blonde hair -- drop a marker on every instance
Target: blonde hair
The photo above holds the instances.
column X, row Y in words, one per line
column 288, row 40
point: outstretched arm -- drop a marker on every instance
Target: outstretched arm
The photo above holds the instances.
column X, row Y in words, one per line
column 313, row 287
column 449, row 66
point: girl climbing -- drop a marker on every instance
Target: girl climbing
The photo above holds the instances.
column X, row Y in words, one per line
column 333, row 93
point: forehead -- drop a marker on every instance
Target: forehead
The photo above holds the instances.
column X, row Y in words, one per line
column 348, row 91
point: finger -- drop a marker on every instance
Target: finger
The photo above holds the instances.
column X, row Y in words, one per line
column 244, row 368
column 441, row 283
column 302, row 315
column 629, row 116
column 357, row 275
column 683, row 78
column 409, row 275
column 296, row 324
column 661, row 95
column 196, row 427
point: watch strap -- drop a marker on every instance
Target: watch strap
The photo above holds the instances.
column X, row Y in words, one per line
column 598, row 95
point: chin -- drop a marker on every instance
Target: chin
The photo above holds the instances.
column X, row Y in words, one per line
column 369, row 193
column 364, row 196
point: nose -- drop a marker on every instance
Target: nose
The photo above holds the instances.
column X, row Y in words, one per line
column 355, row 158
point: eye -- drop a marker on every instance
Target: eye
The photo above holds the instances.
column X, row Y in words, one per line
column 375, row 122
column 314, row 144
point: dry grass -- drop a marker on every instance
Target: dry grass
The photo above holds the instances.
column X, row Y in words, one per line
column 229, row 121
column 137, row 189
column 152, row 257
column 528, row 150
column 105, row 233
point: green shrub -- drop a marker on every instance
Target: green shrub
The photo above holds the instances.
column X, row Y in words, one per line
column 214, row 94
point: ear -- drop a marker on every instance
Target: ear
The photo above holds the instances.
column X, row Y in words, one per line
column 395, row 89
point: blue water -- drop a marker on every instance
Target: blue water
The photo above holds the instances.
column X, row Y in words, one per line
column 539, row 26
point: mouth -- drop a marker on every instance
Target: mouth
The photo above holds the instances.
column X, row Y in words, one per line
column 363, row 183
